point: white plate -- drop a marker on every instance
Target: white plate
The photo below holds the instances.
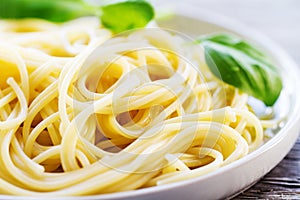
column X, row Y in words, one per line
column 231, row 179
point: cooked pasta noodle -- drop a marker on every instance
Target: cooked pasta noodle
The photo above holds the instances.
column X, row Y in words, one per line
column 84, row 113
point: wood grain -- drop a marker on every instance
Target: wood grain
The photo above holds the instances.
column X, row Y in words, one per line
column 283, row 182
column 280, row 21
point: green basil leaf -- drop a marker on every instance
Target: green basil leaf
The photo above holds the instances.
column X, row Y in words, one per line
column 127, row 15
column 240, row 64
column 52, row 10
column 117, row 17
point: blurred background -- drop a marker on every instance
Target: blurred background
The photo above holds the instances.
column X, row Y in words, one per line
column 278, row 19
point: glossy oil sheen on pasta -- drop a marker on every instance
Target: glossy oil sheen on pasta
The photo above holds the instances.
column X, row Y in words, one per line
column 85, row 113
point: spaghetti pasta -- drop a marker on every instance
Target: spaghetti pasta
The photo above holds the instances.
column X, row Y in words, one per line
column 84, row 113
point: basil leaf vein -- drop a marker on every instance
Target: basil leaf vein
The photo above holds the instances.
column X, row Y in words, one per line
column 240, row 64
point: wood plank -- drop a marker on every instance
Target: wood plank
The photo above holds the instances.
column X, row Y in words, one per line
column 283, row 182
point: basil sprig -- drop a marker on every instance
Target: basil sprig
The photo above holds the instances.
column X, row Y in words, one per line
column 117, row 17
column 240, row 64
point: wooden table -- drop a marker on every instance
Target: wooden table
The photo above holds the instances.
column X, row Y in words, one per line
column 279, row 20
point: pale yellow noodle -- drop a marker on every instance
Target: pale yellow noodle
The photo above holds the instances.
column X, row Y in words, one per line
column 81, row 115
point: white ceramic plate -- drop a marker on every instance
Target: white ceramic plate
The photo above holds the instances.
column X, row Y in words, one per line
column 235, row 177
